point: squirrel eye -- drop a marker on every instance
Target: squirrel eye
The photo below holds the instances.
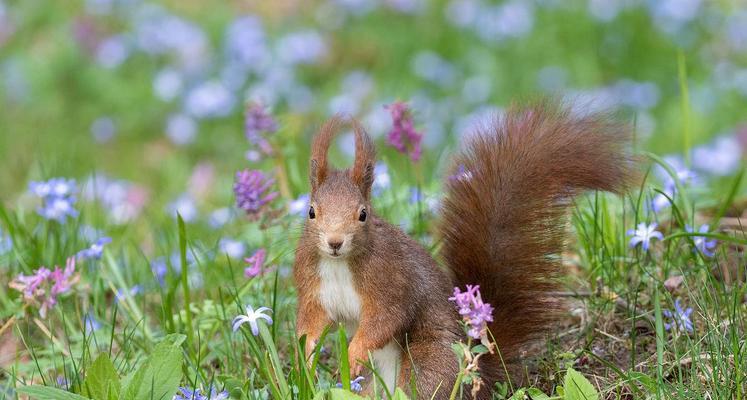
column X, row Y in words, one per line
column 362, row 217
column 312, row 214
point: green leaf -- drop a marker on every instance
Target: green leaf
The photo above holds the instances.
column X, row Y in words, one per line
column 577, row 387
column 342, row 394
column 159, row 376
column 101, row 379
column 49, row 393
column 399, row 395
column 533, row 393
column 344, row 365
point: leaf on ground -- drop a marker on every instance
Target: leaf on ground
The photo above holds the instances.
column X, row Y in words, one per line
column 577, row 387
column 49, row 393
column 342, row 394
column 101, row 380
column 159, row 376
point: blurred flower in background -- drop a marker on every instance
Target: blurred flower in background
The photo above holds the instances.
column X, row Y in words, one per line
column 58, row 198
column 95, row 251
column 256, row 263
column 703, row 244
column 231, row 248
column 403, row 135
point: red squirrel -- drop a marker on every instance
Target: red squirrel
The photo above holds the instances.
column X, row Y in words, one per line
column 501, row 227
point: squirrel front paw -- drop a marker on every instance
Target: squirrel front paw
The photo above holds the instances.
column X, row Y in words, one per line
column 357, row 357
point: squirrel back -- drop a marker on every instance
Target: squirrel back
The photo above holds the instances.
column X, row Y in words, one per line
column 505, row 206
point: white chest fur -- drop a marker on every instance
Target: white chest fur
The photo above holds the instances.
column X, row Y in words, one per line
column 337, row 292
column 340, row 300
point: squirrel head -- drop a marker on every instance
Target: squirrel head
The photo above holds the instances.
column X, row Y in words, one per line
column 339, row 207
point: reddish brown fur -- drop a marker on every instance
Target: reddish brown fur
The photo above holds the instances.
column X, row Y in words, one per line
column 499, row 228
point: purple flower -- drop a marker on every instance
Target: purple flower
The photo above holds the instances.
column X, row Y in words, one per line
column 251, row 318
column 643, row 234
column 702, row 244
column 42, row 288
column 252, row 190
column 258, row 121
column 189, row 394
column 403, row 135
column 58, row 198
column 95, row 251
column 474, row 312
column 679, row 318
column 256, row 261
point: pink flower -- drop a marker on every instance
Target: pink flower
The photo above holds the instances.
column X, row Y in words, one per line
column 256, row 261
column 403, row 135
column 43, row 287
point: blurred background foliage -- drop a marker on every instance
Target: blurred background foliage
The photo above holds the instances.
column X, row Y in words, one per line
column 144, row 91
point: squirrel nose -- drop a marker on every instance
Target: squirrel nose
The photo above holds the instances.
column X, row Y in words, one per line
column 335, row 244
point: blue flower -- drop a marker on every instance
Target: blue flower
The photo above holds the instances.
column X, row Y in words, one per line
column 232, row 248
column 702, row 243
column 189, row 394
column 643, row 235
column 124, row 294
column 160, row 269
column 355, row 384
column 103, row 129
column 185, row 206
column 680, row 318
column 299, row 206
column 6, row 243
column 95, row 251
column 304, row 47
column 181, row 129
column 90, row 323
column 251, row 318
column 58, row 198
column 382, row 180
column 219, row 217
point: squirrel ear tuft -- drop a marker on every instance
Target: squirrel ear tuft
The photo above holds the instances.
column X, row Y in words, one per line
column 319, row 147
column 362, row 173
column 314, row 174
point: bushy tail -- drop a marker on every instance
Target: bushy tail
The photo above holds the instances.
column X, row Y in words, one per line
column 503, row 215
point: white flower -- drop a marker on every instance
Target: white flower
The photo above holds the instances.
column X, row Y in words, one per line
column 251, row 317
